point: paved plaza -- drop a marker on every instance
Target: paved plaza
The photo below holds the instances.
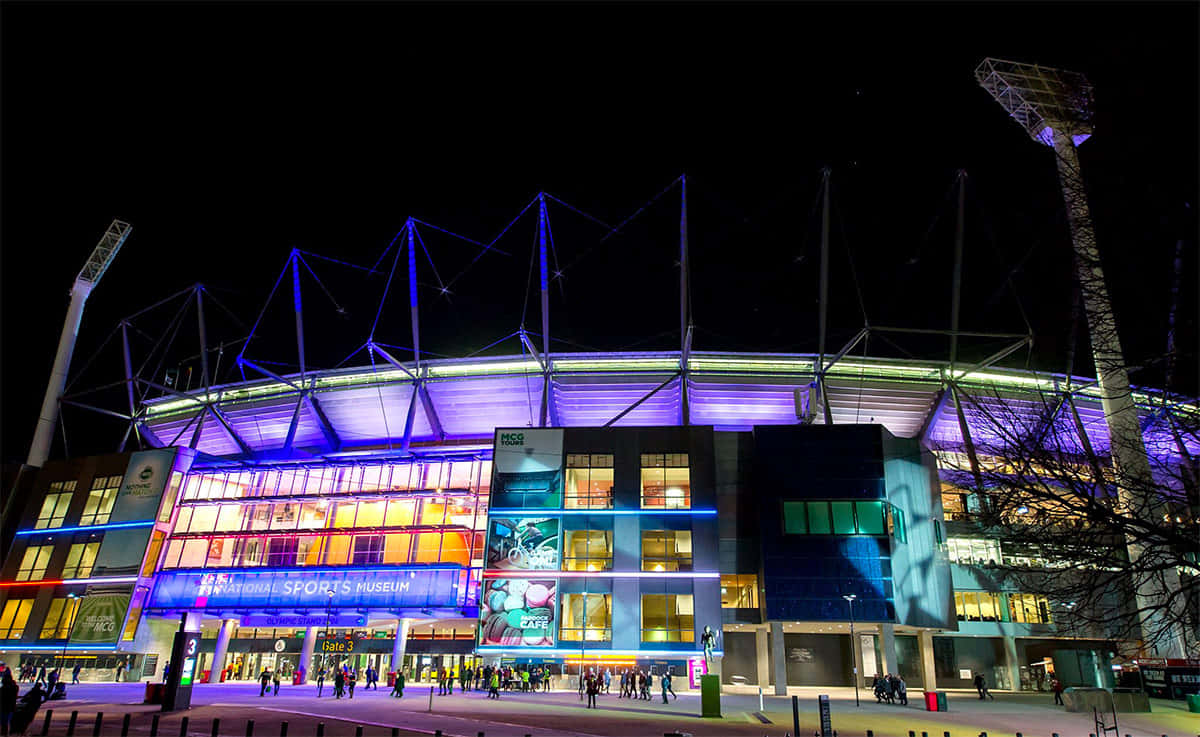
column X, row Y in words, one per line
column 562, row 713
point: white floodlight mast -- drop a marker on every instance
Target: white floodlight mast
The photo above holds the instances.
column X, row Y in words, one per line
column 102, row 256
column 1054, row 107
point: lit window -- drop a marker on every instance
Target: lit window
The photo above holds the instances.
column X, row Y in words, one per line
column 666, row 481
column 100, row 500
column 666, row 550
column 668, row 618
column 973, row 550
column 14, row 617
column 1029, row 608
column 54, row 507
column 33, row 565
column 834, row 518
column 589, row 482
column 586, row 617
column 80, row 559
column 588, row 550
column 60, row 617
column 739, row 591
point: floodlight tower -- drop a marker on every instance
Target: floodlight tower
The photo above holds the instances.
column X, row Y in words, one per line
column 1054, row 106
column 101, row 258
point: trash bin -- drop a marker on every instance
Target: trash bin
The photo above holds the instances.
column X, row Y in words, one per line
column 931, row 701
column 1193, row 702
column 296, row 679
column 941, row 701
column 155, row 693
column 391, row 679
column 204, row 677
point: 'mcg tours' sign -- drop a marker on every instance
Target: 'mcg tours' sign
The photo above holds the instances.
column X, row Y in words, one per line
column 400, row 589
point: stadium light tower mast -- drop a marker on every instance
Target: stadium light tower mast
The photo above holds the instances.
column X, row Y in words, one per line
column 1054, row 106
column 101, row 258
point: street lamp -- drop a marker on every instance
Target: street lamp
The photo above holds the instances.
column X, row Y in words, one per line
column 328, row 616
column 70, row 625
column 854, row 666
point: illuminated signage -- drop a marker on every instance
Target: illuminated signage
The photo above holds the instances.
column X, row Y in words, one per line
column 337, row 646
column 315, row 590
column 524, row 543
column 303, row 620
column 518, row 612
column 191, row 647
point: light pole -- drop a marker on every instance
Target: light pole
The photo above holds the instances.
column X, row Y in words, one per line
column 854, row 663
column 328, row 616
column 70, row 625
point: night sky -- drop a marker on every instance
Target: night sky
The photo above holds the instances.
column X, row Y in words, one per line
column 228, row 134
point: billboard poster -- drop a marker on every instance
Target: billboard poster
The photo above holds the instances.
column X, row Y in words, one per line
column 523, row 543
column 527, row 468
column 141, row 489
column 519, row 612
column 101, row 615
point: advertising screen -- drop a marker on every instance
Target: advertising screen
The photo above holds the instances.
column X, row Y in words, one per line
column 527, row 468
column 101, row 615
column 524, row 544
column 519, row 612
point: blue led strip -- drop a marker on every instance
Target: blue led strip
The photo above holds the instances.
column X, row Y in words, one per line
column 404, row 568
column 569, row 652
column 60, row 648
column 88, row 528
column 536, row 511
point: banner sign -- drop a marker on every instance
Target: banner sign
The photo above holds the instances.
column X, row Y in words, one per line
column 141, row 489
column 303, row 620
column 298, row 589
column 528, row 543
column 519, row 612
column 527, row 467
column 101, row 615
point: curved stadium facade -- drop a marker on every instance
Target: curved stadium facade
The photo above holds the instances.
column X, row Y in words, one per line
column 601, row 511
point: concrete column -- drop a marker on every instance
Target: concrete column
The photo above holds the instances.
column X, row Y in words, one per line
column 221, row 649
column 856, row 656
column 306, row 652
column 887, row 647
column 1012, row 663
column 780, row 654
column 928, row 670
column 400, row 644
column 762, row 659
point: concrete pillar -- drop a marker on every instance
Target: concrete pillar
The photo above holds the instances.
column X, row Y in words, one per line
column 928, row 669
column 306, row 652
column 856, row 657
column 400, row 644
column 221, row 649
column 780, row 654
column 761, row 657
column 887, row 636
column 1012, row 663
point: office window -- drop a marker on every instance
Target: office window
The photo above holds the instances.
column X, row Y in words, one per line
column 896, row 527
column 973, row 550
column 368, row 549
column 739, row 591
column 586, row 617
column 54, row 506
column 870, row 518
column 979, row 606
column 834, row 518
column 1029, row 608
column 13, row 618
column 842, row 514
column 819, row 520
column 666, row 481
column 60, row 617
column 666, row 550
column 588, row 550
column 668, row 618
column 33, row 565
column 100, row 500
column 80, row 559
column 589, row 483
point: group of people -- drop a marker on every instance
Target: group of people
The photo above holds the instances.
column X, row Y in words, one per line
column 16, row 714
column 890, row 689
column 637, row 684
column 345, row 679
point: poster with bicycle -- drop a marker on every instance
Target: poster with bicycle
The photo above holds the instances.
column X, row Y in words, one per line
column 523, row 544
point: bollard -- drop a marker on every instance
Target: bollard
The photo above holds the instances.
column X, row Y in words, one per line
column 924, row 734
column 870, row 733
column 154, row 725
column 125, row 725
column 912, row 733
column 46, row 724
column 437, row 733
column 183, row 724
column 431, row 698
column 99, row 721
column 395, row 732
column 249, row 728
column 71, row 724
column 796, row 715
column 358, row 731
column 320, row 729
column 216, row 730
column 283, row 729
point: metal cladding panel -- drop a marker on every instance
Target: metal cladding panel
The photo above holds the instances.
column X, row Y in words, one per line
column 368, row 415
column 171, row 430
column 901, row 408
column 727, row 401
column 588, row 401
column 262, row 424
column 1020, row 415
column 176, row 430
column 476, row 406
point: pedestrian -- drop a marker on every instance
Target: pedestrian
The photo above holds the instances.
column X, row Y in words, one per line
column 666, row 686
column 320, row 680
column 607, row 680
column 398, row 685
column 351, row 679
column 593, row 687
column 372, row 678
column 75, row 674
column 494, row 683
column 648, row 685
column 901, row 690
column 8, row 699
column 264, row 680
column 464, row 681
column 166, row 670
column 1057, row 687
column 981, row 687
column 339, row 684
column 275, row 680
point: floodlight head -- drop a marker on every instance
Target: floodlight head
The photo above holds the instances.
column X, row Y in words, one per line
column 1040, row 98
column 104, row 253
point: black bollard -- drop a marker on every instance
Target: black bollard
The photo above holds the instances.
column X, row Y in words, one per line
column 71, row 724
column 924, row 734
column 437, row 733
column 154, row 725
column 216, row 730
column 912, row 733
column 46, row 724
column 320, row 729
column 249, row 728
column 796, row 715
column 395, row 732
column 283, row 729
column 125, row 725
column 358, row 730
column 99, row 721
column 183, row 724
column 870, row 733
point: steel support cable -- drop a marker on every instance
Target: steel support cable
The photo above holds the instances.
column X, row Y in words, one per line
column 227, row 311
column 639, row 211
column 387, row 431
column 861, row 369
column 441, row 284
column 386, row 251
column 994, row 242
column 528, row 394
column 340, row 310
column 158, row 341
column 528, row 283
column 386, row 288
column 91, row 359
column 159, row 303
column 490, row 345
column 492, row 242
column 937, row 217
column 862, row 304
column 174, row 330
column 263, row 311
column 472, row 241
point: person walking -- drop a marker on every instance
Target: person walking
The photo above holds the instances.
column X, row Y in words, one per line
column 8, row 699
column 264, row 680
column 275, row 680
column 339, row 684
column 351, row 679
column 494, row 685
column 901, row 690
column 398, row 685
column 320, row 680
column 666, row 686
column 607, row 680
column 593, row 688
column 648, row 686
column 1057, row 687
column 464, row 681
column 981, row 687
column 75, row 674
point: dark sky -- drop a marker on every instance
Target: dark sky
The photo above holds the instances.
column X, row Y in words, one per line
column 229, row 134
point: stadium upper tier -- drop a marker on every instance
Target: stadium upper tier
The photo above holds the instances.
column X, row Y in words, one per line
column 367, row 408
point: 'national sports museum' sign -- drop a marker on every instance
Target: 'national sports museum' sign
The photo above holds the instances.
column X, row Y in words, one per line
column 373, row 589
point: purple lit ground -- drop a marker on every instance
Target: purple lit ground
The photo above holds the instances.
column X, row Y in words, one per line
column 562, row 713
